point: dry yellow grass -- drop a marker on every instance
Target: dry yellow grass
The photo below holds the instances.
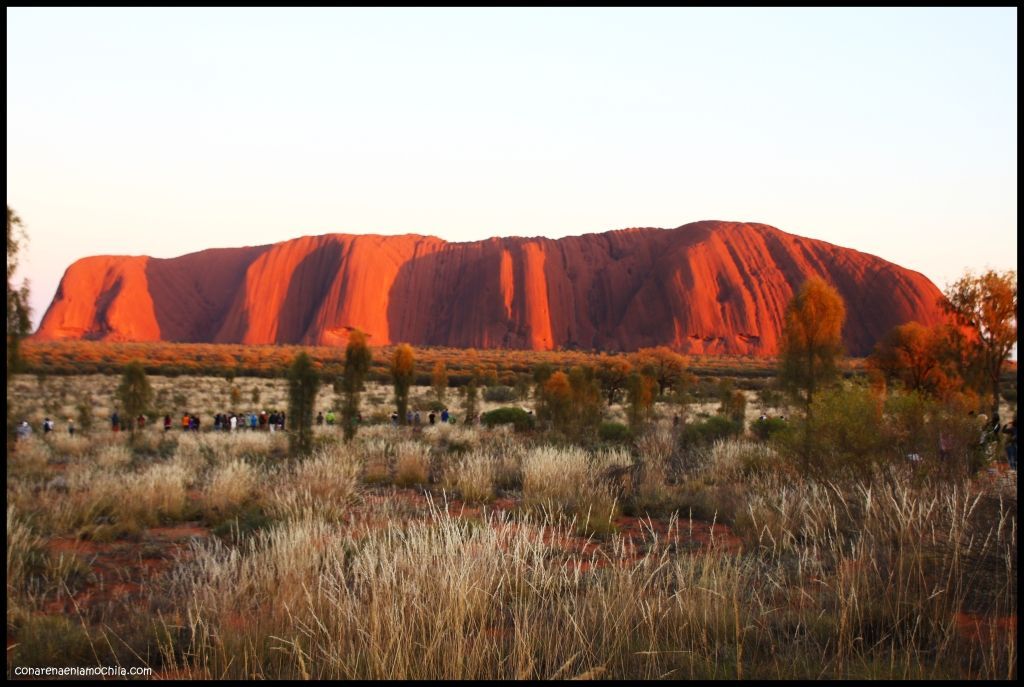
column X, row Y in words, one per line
column 328, row 574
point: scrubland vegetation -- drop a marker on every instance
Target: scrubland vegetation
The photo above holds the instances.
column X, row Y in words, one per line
column 698, row 550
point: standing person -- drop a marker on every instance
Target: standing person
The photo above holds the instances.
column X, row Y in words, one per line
column 272, row 422
column 1011, row 443
column 234, row 422
column 263, row 420
column 140, row 421
column 408, row 417
column 24, row 430
column 71, row 427
column 431, row 417
column 186, row 422
column 252, row 421
column 416, row 418
column 115, row 422
column 47, row 426
column 280, row 421
column 944, row 446
column 444, row 416
column 320, row 419
column 167, row 423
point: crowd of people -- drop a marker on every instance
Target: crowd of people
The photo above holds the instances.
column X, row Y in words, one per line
column 232, row 422
column 413, row 418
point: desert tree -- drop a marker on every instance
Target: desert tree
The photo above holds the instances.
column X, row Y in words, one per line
column 587, row 400
column 986, row 305
column 613, row 371
column 662, row 364
column 640, row 392
column 403, row 372
column 555, row 400
column 812, row 342
column 357, row 364
column 915, row 356
column 811, row 348
column 733, row 405
column 522, row 386
column 439, row 380
column 541, row 373
column 134, row 392
column 18, row 312
column 303, row 385
column 471, row 392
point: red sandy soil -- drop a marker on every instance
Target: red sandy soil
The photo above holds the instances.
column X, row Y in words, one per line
column 706, row 288
column 983, row 630
column 118, row 568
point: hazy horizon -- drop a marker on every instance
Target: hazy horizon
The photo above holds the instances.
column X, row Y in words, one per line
column 169, row 131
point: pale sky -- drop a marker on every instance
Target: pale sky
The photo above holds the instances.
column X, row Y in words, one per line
column 167, row 131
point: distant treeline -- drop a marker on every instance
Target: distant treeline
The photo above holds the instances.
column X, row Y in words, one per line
column 498, row 366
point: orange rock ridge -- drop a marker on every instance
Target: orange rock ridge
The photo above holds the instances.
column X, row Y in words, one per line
column 706, row 287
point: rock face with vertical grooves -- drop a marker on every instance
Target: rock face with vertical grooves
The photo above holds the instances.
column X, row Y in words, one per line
column 706, row 287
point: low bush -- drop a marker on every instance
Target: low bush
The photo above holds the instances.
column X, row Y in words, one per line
column 517, row 417
column 709, row 431
column 614, row 431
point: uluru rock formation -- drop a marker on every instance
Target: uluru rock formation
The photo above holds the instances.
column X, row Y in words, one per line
column 705, row 287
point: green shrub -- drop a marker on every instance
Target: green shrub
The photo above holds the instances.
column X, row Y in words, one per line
column 614, row 431
column 767, row 428
column 843, row 436
column 508, row 416
column 709, row 431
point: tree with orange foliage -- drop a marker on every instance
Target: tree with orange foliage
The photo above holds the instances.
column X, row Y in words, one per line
column 555, row 402
column 662, row 364
column 812, row 344
column 987, row 306
column 913, row 354
column 812, row 341
column 640, row 388
column 403, row 371
column 587, row 405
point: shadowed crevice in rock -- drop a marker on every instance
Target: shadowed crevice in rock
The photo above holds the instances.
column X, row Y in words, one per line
column 193, row 293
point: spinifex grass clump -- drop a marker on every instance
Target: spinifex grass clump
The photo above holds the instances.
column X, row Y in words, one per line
column 412, row 464
column 231, row 486
column 472, row 477
column 325, row 484
column 567, row 481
